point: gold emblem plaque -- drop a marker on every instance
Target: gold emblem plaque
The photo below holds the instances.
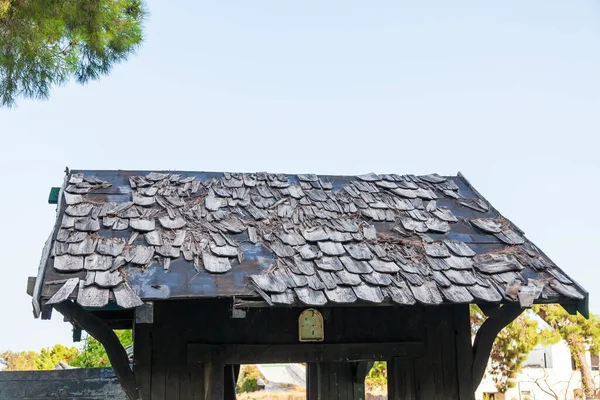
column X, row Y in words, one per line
column 310, row 326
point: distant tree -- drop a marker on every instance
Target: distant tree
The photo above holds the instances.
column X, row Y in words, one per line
column 377, row 375
column 545, row 384
column 581, row 335
column 18, row 361
column 50, row 357
column 44, row 43
column 512, row 346
column 248, row 379
column 93, row 355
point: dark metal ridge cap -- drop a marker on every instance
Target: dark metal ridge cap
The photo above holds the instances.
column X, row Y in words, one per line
column 178, row 171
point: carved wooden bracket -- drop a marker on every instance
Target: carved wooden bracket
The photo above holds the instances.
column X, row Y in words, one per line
column 101, row 332
column 484, row 339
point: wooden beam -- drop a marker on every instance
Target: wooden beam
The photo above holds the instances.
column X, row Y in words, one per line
column 101, row 332
column 214, row 382
column 304, row 352
column 489, row 309
column 484, row 339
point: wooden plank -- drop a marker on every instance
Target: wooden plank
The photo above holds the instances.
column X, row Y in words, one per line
column 126, row 297
column 142, row 362
column 464, row 351
column 160, row 358
column 68, row 263
column 214, row 381
column 214, row 264
column 305, row 352
column 447, row 357
column 312, row 381
column 172, row 340
column 64, row 292
column 196, row 370
column 428, row 370
column 92, row 296
column 323, row 389
column 107, row 279
column 401, row 379
column 359, row 373
column 232, row 372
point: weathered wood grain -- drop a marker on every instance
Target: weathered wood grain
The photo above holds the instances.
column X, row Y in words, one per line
column 68, row 263
column 64, row 292
column 126, row 297
column 92, row 296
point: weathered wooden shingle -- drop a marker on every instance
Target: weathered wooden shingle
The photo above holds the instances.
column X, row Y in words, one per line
column 366, row 292
column 64, row 292
column 92, row 296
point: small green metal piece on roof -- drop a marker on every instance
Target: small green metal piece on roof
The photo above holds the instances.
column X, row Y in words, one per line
column 53, row 198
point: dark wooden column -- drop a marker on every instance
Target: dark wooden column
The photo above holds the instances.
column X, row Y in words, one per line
column 337, row 380
column 231, row 374
column 214, row 381
column 401, row 379
column 464, row 351
column 312, row 381
column 142, row 358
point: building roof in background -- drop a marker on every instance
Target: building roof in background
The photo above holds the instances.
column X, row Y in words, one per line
column 123, row 236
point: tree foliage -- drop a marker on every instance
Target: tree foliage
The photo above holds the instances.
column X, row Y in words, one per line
column 93, row 355
column 581, row 335
column 248, row 379
column 512, row 346
column 51, row 356
column 90, row 355
column 18, row 361
column 44, row 43
column 377, row 376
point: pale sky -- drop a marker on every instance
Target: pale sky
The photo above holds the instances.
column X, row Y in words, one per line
column 506, row 92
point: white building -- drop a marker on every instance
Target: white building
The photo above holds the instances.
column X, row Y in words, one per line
column 549, row 374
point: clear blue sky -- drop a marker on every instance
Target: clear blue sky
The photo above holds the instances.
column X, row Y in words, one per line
column 506, row 92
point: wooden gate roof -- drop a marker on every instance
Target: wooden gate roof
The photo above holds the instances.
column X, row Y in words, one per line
column 123, row 236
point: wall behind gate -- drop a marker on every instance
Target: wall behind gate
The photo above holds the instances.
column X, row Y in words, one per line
column 71, row 384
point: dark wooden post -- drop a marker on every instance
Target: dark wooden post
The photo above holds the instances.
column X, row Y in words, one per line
column 142, row 358
column 359, row 372
column 312, row 379
column 401, row 379
column 214, row 382
column 464, row 351
column 336, row 380
column 232, row 372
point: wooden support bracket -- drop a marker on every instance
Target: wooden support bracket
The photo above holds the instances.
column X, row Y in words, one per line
column 101, row 332
column 484, row 339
